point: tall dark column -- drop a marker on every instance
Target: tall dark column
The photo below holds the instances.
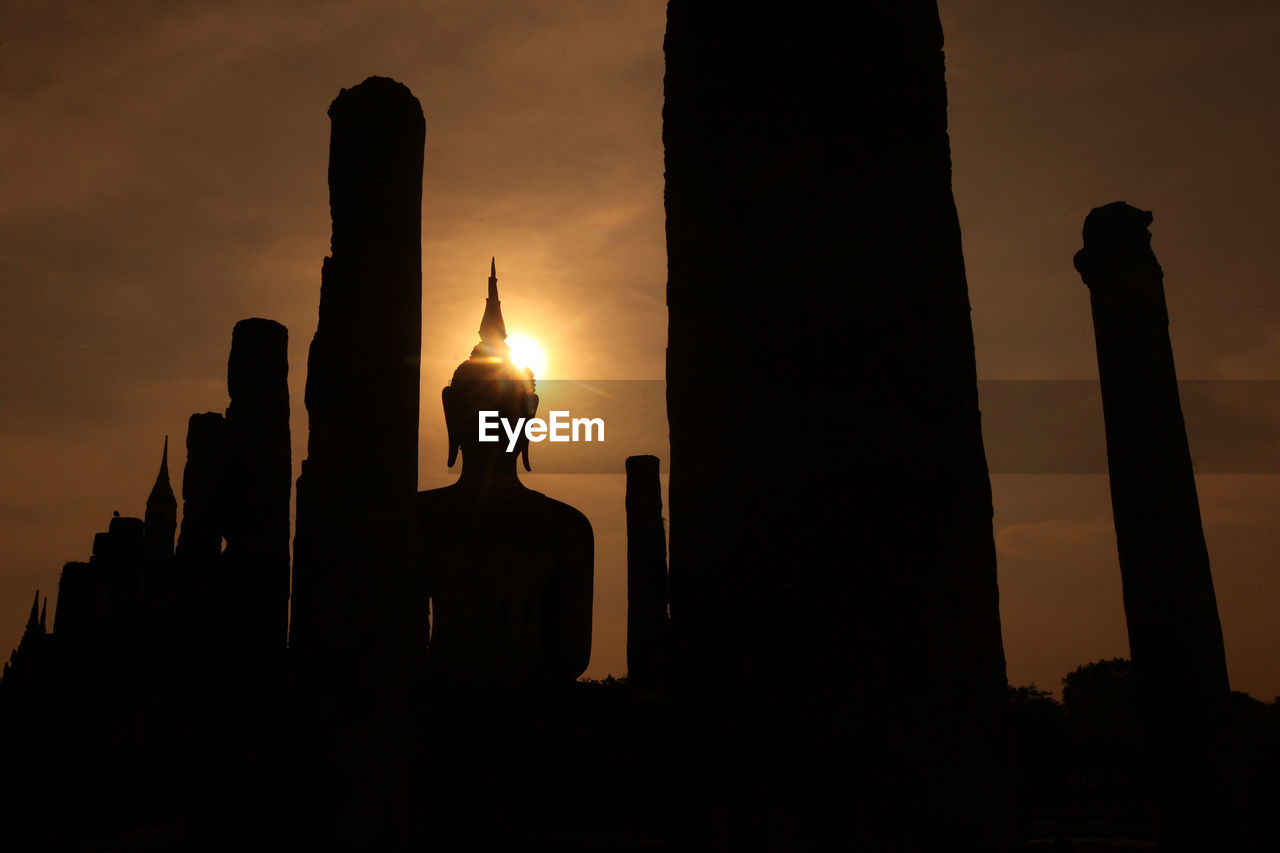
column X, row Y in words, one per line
column 198, row 585
column 358, row 618
column 200, row 542
column 74, row 620
column 355, row 546
column 833, row 575
column 259, row 481
column 648, row 628
column 1175, row 637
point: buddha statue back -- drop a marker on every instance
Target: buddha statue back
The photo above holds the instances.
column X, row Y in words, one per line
column 507, row 570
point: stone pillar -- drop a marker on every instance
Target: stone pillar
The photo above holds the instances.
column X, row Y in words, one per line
column 74, row 617
column 1175, row 638
column 359, row 627
column 201, row 614
column 356, row 545
column 200, row 541
column 259, row 482
column 648, row 628
column 118, row 562
column 833, row 574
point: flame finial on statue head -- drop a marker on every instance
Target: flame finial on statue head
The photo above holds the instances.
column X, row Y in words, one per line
column 493, row 331
column 489, row 376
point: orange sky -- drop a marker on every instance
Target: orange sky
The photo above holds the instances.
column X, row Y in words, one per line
column 164, row 176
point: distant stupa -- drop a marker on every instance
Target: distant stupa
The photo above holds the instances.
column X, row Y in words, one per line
column 161, row 518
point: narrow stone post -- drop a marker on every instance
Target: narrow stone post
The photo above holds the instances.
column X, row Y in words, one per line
column 202, row 618
column 647, row 624
column 1175, row 637
column 259, row 482
column 200, row 541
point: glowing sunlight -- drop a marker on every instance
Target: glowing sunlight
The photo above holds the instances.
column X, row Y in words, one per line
column 525, row 352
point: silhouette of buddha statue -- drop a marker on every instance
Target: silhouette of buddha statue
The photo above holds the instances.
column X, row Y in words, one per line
column 508, row 570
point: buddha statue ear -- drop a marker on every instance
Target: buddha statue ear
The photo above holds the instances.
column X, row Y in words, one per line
column 531, row 409
column 446, row 399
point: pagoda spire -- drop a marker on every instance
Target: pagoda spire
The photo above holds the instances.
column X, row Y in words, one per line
column 162, row 491
column 34, row 619
column 493, row 331
column 44, row 611
column 162, row 512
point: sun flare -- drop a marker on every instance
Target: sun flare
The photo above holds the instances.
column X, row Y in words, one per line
column 525, row 352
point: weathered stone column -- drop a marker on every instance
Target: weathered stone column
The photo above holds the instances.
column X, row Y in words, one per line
column 198, row 588
column 200, row 542
column 648, row 628
column 259, row 482
column 1175, row 637
column 358, row 617
column 356, row 546
column 833, row 574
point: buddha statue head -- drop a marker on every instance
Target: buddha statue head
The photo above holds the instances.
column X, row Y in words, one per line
column 488, row 381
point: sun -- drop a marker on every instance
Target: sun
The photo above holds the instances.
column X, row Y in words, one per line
column 525, row 352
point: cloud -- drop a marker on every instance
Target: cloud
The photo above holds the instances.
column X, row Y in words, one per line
column 1064, row 541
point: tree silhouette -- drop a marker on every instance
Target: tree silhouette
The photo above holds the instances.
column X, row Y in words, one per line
column 1101, row 704
column 1037, row 726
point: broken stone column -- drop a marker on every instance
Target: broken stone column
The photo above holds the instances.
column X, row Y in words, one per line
column 837, row 569
column 80, row 599
column 200, row 540
column 359, row 626
column 1175, row 637
column 201, row 615
column 259, row 482
column 117, row 565
column 355, row 548
column 648, row 627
